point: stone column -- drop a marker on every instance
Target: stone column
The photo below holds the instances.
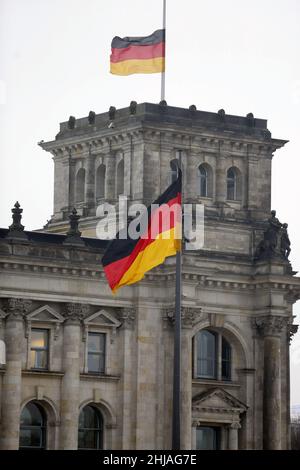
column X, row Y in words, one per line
column 71, row 380
column 12, row 380
column 271, row 327
column 127, row 317
column 221, row 178
column 110, row 178
column 233, row 442
column 188, row 317
column 89, row 196
column 195, row 424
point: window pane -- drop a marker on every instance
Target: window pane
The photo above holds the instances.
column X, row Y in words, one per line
column 206, row 354
column 95, row 362
column 206, row 438
column 38, row 359
column 231, row 184
column 226, row 360
column 39, row 339
column 96, row 342
column 31, row 438
column 90, row 428
column 31, row 416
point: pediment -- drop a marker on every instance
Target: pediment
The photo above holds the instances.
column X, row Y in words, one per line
column 102, row 318
column 217, row 398
column 45, row 314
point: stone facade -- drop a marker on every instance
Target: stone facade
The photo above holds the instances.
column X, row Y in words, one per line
column 239, row 286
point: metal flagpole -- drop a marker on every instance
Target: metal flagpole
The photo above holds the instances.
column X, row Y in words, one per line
column 177, row 347
column 163, row 82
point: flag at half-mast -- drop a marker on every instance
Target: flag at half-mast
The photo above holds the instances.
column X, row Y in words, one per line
column 131, row 55
column 127, row 260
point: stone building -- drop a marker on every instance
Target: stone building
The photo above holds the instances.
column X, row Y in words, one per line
column 88, row 369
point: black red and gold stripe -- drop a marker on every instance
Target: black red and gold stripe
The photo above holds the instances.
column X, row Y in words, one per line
column 126, row 261
column 131, row 55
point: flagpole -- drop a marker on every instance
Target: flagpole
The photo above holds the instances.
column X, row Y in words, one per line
column 163, row 78
column 177, row 346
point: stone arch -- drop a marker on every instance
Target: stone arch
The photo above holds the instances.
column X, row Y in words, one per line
column 109, row 419
column 52, row 419
column 80, row 185
column 100, row 181
column 234, row 184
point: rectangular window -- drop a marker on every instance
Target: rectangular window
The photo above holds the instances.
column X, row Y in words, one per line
column 207, row 438
column 39, row 349
column 96, row 352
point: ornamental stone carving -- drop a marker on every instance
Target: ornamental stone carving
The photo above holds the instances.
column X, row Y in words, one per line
column 276, row 242
column 18, row 307
column 292, row 329
column 76, row 312
column 127, row 316
column 189, row 316
column 270, row 325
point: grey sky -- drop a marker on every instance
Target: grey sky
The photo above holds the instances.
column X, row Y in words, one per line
column 54, row 62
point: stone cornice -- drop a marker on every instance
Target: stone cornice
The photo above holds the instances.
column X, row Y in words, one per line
column 290, row 286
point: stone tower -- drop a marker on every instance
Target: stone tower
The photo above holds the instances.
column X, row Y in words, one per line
column 238, row 291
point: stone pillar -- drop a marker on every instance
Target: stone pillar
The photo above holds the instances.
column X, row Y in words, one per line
column 221, row 178
column 195, row 424
column 89, row 196
column 12, row 380
column 233, row 442
column 188, row 317
column 127, row 317
column 110, row 178
column 271, row 327
column 71, row 380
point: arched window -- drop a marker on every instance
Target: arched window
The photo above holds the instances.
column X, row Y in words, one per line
column 33, row 427
column 213, row 356
column 231, row 184
column 206, row 354
column 120, row 178
column 90, row 429
column 205, row 180
column 174, row 166
column 234, row 184
column 100, row 181
column 80, row 185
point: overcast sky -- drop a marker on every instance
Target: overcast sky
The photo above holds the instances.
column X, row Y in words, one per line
column 54, row 62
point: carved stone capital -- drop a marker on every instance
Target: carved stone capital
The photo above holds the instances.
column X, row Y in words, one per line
column 127, row 316
column 76, row 312
column 292, row 329
column 235, row 426
column 270, row 325
column 17, row 308
column 189, row 316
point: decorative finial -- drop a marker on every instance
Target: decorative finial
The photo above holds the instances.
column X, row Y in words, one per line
column 16, row 229
column 112, row 113
column 73, row 235
column 132, row 107
column 193, row 108
column 221, row 114
column 71, row 122
column 91, row 117
column 16, row 226
column 250, row 120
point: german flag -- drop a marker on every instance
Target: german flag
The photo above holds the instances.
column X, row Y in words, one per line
column 127, row 260
column 131, row 55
